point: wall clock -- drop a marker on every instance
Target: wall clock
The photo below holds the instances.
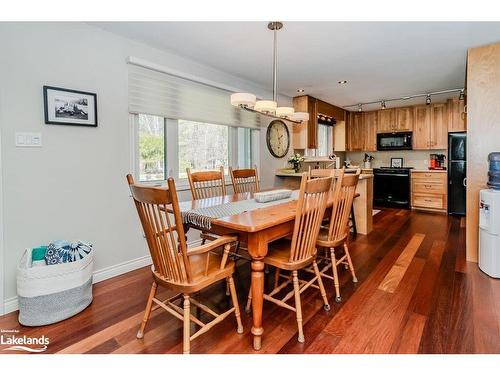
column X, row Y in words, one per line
column 278, row 138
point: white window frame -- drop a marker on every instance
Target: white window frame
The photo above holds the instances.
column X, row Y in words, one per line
column 172, row 151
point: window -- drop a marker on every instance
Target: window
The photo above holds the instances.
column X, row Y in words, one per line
column 202, row 146
column 166, row 147
column 151, row 148
column 325, row 140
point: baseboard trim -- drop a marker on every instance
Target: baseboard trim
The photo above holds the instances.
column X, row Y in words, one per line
column 11, row 304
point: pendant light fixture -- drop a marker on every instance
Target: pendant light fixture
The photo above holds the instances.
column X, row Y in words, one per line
column 269, row 108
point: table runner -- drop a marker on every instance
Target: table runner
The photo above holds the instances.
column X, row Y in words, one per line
column 203, row 217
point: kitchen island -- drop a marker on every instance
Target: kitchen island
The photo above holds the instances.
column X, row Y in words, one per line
column 363, row 204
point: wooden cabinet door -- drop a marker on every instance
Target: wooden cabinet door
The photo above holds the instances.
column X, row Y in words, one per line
column 386, row 120
column 312, row 124
column 439, row 126
column 404, row 119
column 422, row 127
column 456, row 115
column 355, row 131
column 369, row 131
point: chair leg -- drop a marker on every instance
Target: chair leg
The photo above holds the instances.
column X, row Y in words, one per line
column 335, row 275
column 249, row 301
column 346, row 249
column 234, row 297
column 326, row 305
column 298, row 306
column 276, row 277
column 147, row 313
column 353, row 218
column 187, row 325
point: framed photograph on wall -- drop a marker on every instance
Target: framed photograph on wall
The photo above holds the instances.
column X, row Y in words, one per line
column 396, row 162
column 69, row 107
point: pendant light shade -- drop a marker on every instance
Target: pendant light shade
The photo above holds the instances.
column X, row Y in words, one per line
column 300, row 116
column 243, row 99
column 284, row 111
column 266, row 106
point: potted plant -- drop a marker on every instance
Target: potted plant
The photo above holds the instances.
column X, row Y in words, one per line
column 367, row 160
column 296, row 161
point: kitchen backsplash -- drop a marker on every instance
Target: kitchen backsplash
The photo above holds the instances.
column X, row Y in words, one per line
column 413, row 158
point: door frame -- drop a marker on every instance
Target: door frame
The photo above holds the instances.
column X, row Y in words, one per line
column 2, row 221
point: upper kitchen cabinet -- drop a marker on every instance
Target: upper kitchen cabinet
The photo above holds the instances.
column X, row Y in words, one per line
column 355, row 131
column 457, row 119
column 386, row 120
column 395, row 120
column 430, row 130
column 404, row 119
column 305, row 135
column 369, row 131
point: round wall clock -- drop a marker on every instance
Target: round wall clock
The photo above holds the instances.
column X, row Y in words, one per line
column 278, row 138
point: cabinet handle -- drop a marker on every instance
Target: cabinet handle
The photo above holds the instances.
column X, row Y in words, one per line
column 428, row 200
column 428, row 186
column 464, row 182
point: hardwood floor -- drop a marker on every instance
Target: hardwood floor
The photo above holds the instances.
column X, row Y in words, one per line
column 416, row 294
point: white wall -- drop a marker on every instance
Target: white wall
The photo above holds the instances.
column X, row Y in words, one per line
column 74, row 186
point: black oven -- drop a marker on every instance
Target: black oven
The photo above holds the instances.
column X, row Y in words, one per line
column 394, row 141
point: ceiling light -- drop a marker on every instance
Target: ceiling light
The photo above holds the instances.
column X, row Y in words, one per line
column 462, row 95
column 243, row 99
column 300, row 90
column 428, row 99
column 383, row 104
column 284, row 111
column 342, row 82
column 360, row 108
column 269, row 108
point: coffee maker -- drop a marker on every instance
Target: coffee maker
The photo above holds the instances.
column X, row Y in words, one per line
column 437, row 161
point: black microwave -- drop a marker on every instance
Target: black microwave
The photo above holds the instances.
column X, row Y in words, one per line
column 394, row 141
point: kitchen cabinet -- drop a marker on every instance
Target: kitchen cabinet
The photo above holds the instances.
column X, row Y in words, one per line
column 369, row 131
column 429, row 190
column 355, row 131
column 339, row 137
column 305, row 134
column 386, row 120
column 439, row 126
column 430, row 130
column 404, row 119
column 457, row 118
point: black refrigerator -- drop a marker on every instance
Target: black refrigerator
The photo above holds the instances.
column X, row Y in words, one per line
column 457, row 163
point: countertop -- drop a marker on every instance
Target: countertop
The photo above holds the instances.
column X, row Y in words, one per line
column 430, row 170
column 362, row 176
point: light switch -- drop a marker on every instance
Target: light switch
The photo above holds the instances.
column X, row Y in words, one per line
column 28, row 139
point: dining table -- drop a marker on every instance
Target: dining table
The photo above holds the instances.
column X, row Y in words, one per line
column 256, row 226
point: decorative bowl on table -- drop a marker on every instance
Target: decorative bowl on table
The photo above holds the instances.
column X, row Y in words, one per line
column 287, row 170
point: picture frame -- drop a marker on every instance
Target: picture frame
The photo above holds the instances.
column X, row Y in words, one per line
column 396, row 162
column 69, row 107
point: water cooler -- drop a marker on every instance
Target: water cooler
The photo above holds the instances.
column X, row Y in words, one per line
column 489, row 232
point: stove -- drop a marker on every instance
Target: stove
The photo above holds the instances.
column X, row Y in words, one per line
column 391, row 187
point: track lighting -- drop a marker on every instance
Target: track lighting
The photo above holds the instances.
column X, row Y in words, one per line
column 360, row 108
column 383, row 104
column 462, row 95
column 428, row 99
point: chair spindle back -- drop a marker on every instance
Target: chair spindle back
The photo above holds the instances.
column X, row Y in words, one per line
column 206, row 184
column 341, row 209
column 244, row 180
column 311, row 205
column 165, row 239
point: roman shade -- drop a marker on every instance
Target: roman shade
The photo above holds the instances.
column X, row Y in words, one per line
column 161, row 94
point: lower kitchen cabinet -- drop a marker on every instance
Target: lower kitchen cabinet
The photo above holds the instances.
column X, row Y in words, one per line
column 429, row 191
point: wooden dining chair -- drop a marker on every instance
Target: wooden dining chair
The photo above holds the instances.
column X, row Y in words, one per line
column 244, row 180
column 300, row 252
column 177, row 268
column 336, row 234
column 206, row 184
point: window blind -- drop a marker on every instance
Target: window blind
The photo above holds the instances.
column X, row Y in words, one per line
column 155, row 93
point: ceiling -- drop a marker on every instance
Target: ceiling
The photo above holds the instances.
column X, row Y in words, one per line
column 379, row 60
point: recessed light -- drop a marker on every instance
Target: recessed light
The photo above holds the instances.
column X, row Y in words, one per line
column 342, row 82
column 300, row 90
